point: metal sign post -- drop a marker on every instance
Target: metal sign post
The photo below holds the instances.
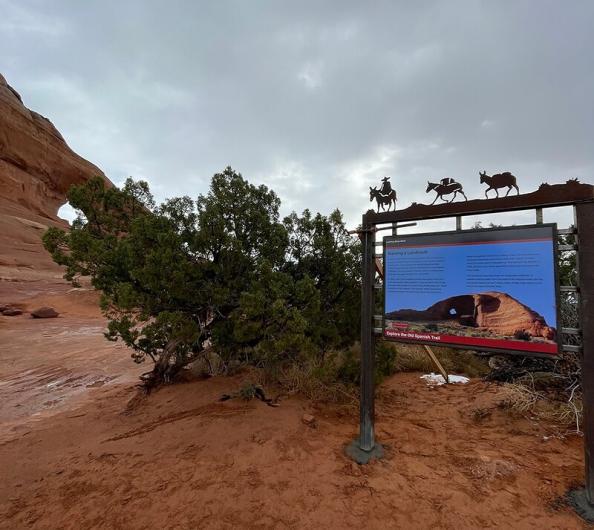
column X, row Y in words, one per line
column 363, row 449
column 583, row 499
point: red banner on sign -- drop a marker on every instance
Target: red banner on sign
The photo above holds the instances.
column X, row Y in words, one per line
column 503, row 344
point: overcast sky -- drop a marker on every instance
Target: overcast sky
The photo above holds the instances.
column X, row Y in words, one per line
column 318, row 100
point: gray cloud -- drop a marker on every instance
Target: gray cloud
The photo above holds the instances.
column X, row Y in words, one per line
column 317, row 100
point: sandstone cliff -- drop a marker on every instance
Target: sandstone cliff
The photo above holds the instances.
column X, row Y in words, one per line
column 36, row 170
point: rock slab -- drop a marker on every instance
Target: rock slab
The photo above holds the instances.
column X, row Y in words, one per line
column 44, row 312
column 11, row 312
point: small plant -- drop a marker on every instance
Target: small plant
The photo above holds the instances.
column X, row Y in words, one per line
column 247, row 391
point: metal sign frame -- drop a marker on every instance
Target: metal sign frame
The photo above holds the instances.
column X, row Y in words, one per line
column 572, row 193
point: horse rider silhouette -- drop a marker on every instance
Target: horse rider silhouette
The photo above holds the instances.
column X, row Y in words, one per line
column 386, row 188
column 384, row 196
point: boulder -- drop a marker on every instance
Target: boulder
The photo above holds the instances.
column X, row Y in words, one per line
column 44, row 312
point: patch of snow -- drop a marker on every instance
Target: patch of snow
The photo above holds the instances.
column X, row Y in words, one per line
column 434, row 379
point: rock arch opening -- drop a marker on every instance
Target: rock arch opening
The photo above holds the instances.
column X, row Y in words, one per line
column 67, row 212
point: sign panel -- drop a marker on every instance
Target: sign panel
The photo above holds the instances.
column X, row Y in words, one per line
column 489, row 289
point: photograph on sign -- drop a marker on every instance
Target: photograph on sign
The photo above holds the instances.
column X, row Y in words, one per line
column 489, row 289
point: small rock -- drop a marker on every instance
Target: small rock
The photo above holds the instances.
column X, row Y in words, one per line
column 11, row 312
column 44, row 312
column 309, row 420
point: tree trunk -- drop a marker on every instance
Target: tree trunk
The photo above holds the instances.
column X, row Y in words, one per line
column 166, row 368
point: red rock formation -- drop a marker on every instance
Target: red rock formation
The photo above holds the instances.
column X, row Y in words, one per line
column 503, row 314
column 36, row 170
column 495, row 311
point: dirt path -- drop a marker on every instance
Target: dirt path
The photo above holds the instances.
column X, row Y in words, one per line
column 180, row 459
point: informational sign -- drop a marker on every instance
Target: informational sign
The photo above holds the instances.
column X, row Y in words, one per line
column 492, row 289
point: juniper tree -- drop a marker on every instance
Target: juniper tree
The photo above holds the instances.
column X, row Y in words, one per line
column 222, row 269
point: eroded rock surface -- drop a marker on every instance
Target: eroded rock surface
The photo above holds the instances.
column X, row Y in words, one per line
column 36, row 170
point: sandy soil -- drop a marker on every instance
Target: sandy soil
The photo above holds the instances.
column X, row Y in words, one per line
column 80, row 449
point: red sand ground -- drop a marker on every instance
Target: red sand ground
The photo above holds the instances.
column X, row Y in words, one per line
column 79, row 449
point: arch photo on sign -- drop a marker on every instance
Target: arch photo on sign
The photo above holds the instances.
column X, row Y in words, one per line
column 487, row 289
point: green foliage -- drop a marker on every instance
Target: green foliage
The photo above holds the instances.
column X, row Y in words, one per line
column 247, row 391
column 348, row 363
column 320, row 248
column 222, row 269
column 568, row 261
column 385, row 359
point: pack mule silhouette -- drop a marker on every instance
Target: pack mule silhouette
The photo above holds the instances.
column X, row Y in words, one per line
column 499, row 180
column 446, row 186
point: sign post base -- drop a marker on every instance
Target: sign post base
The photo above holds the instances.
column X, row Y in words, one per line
column 580, row 503
column 354, row 451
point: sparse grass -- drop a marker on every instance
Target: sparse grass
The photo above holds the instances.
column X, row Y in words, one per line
column 332, row 380
column 519, row 398
column 247, row 391
column 312, row 383
column 413, row 358
column 335, row 377
column 523, row 398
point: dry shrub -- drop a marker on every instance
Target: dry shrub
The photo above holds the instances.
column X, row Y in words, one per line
column 331, row 377
column 523, row 398
column 334, row 377
column 548, row 390
column 328, row 380
column 309, row 381
column 413, row 358
column 519, row 398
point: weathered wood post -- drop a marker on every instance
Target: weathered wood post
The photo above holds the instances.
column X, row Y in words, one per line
column 363, row 449
column 583, row 500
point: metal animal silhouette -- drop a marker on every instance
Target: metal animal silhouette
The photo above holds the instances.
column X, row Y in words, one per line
column 500, row 180
column 446, row 186
column 381, row 199
column 385, row 195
